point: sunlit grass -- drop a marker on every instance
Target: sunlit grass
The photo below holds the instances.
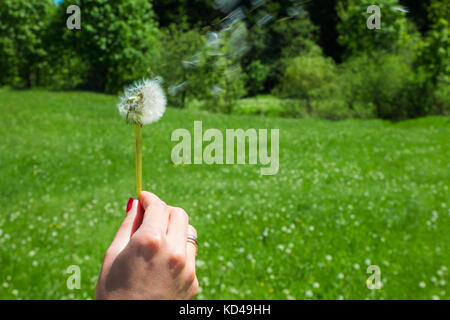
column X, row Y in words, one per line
column 348, row 194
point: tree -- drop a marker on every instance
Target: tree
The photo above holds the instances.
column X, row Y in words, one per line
column 115, row 40
column 433, row 56
column 306, row 74
column 22, row 26
column 184, row 14
column 355, row 36
column 324, row 15
column 418, row 12
column 257, row 75
column 218, row 79
column 174, row 62
column 285, row 37
column 432, row 61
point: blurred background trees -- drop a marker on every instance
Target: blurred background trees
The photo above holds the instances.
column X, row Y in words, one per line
column 312, row 58
column 23, row 27
column 115, row 41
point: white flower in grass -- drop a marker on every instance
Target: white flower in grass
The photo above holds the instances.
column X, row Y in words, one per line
column 143, row 102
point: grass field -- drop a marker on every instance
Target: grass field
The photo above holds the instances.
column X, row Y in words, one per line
column 348, row 194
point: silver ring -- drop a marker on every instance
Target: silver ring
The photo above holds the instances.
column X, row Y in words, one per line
column 193, row 238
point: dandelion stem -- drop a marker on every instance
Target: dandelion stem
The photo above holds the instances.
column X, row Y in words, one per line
column 138, row 135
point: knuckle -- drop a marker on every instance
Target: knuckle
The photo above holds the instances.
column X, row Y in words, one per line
column 159, row 206
column 150, row 241
column 149, row 198
column 182, row 212
column 177, row 260
column 157, row 201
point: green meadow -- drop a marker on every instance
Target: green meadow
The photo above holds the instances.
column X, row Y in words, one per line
column 348, row 194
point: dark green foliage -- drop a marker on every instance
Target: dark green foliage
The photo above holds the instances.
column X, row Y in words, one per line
column 441, row 98
column 432, row 63
column 324, row 15
column 356, row 38
column 385, row 86
column 418, row 12
column 277, row 30
column 399, row 71
column 65, row 70
column 305, row 76
column 184, row 13
column 257, row 74
column 433, row 55
column 283, row 38
column 172, row 61
column 23, row 24
column 115, row 40
column 204, row 68
column 218, row 79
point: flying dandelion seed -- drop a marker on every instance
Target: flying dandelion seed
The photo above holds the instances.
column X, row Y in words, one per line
column 213, row 39
column 215, row 53
column 174, row 89
column 295, row 11
column 216, row 90
column 226, row 5
column 238, row 41
column 188, row 64
column 401, row 9
column 257, row 3
column 264, row 19
column 234, row 17
column 229, row 41
column 232, row 72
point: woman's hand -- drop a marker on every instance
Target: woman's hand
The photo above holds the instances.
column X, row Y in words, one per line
column 150, row 257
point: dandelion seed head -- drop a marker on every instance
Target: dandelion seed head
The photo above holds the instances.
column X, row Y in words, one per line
column 143, row 102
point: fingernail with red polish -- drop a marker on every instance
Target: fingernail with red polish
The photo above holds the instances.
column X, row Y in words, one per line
column 130, row 204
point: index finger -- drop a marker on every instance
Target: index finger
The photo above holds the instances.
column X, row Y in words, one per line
column 156, row 213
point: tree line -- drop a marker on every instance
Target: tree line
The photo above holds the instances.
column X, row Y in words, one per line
column 317, row 57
